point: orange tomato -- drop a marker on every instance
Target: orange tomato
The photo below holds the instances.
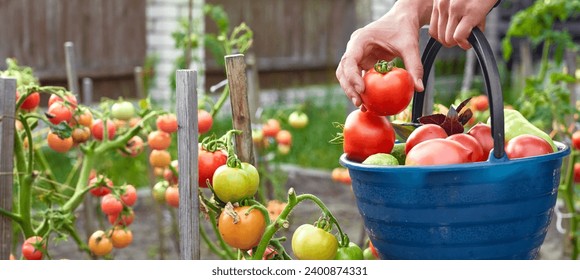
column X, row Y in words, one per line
column 159, row 158
column 246, row 232
column 121, row 237
column 172, row 196
column 58, row 144
column 100, row 244
column 159, row 140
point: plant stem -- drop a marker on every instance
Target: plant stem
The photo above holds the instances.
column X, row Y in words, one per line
column 81, row 187
column 544, row 61
column 221, row 241
column 74, row 234
column 218, row 105
column 210, row 244
column 12, row 216
column 25, row 188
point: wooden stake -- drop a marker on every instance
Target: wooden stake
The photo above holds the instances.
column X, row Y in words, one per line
column 7, row 113
column 187, row 141
column 237, row 80
column 71, row 68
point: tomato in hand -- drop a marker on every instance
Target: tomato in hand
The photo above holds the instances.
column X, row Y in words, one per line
column 111, row 205
column 438, row 151
column 242, row 229
column 208, row 162
column 159, row 140
column 31, row 102
column 231, row 184
column 388, row 89
column 58, row 144
column 367, row 134
column 350, row 252
column 313, row 243
column 482, row 132
column 527, row 145
column 470, row 143
column 100, row 244
column 167, row 123
column 123, row 110
column 98, row 129
column 423, row 133
column 32, row 248
column 120, row 237
column 204, row 121
column 59, row 112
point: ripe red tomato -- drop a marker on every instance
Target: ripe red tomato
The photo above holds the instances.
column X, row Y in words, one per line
column 31, row 102
column 100, row 185
column 527, row 145
column 58, row 144
column 482, row 132
column 366, row 134
column 125, row 218
column 577, row 172
column 208, row 162
column 470, row 143
column 247, row 232
column 204, row 121
column 284, row 137
column 72, row 100
column 270, row 128
column 159, row 140
column 479, row 103
column 172, row 196
column 167, row 123
column 111, row 205
column 576, row 139
column 31, row 248
column 438, row 151
column 129, row 195
column 58, row 112
column 98, row 130
column 423, row 133
column 389, row 93
column 133, row 147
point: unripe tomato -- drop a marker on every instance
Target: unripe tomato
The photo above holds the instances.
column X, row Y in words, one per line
column 423, row 133
column 58, row 144
column 351, row 252
column 158, row 191
column 31, row 102
column 387, row 93
column 283, row 149
column 312, row 243
column 125, row 218
column 31, row 248
column 231, row 184
column 123, row 110
column 129, row 195
column 159, row 158
column 247, row 232
column 100, row 185
column 167, row 123
column 98, row 129
column 111, row 205
column 527, row 145
column 298, row 120
column 172, row 196
column 100, row 244
column 284, row 137
column 121, row 237
column 58, row 112
column 159, row 140
column 271, row 128
column 71, row 100
column 204, row 121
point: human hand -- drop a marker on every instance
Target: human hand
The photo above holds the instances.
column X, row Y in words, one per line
column 396, row 34
column 452, row 20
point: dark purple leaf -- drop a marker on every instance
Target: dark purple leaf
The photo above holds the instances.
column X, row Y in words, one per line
column 465, row 116
column 437, row 119
column 462, row 104
column 452, row 126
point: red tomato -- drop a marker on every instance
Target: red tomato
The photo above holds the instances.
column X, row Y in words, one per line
column 470, row 143
column 208, row 163
column 31, row 102
column 423, row 133
column 72, row 100
column 98, row 130
column 31, row 248
column 527, row 145
column 284, row 137
column 270, row 128
column 159, row 140
column 438, row 151
column 134, row 146
column 389, row 93
column 111, row 205
column 479, row 103
column 373, row 250
column 125, row 218
column 576, row 139
column 129, row 195
column 366, row 134
column 172, row 196
column 167, row 123
column 100, row 185
column 577, row 172
column 482, row 132
column 204, row 121
column 58, row 112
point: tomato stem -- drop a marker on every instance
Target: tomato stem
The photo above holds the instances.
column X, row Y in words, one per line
column 383, row 66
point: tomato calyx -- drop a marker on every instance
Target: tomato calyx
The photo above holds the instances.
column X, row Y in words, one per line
column 383, row 66
column 229, row 210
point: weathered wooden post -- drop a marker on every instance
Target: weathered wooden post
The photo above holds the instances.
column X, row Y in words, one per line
column 187, row 141
column 7, row 111
column 71, row 68
column 237, row 80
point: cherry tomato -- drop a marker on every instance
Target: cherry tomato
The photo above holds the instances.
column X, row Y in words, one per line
column 470, row 143
column 123, row 110
column 100, row 185
column 100, row 244
column 366, row 134
column 134, row 146
column 283, row 149
column 341, row 175
column 58, row 144
column 298, row 120
column 271, row 128
column 438, row 151
column 159, row 158
column 204, row 121
column 208, row 162
column 121, row 237
column 482, row 132
column 284, row 137
column 387, row 92
column 423, row 133
column 479, row 103
column 351, row 252
column 527, row 145
column 312, row 243
column 98, row 129
column 158, row 191
column 247, row 232
column 368, row 255
column 31, row 102
column 125, row 218
column 231, row 184
column 84, row 117
column 129, row 195
column 169, row 175
column 71, row 99
column 32, row 248
column 577, row 172
column 172, row 196
column 576, row 140
column 59, row 112
column 167, row 123
column 373, row 250
column 111, row 205
column 159, row 140
column 81, row 134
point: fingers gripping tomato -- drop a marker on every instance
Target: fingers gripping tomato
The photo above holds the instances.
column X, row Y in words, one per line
column 367, row 134
column 241, row 228
column 232, row 184
column 313, row 243
column 388, row 89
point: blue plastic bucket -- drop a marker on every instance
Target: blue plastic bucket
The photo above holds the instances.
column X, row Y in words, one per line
column 498, row 209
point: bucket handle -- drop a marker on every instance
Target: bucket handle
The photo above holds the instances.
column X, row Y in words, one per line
column 490, row 76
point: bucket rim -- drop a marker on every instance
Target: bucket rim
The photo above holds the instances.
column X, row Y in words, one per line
column 563, row 151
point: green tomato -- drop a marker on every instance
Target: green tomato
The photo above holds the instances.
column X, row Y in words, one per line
column 298, row 119
column 253, row 175
column 122, row 110
column 232, row 184
column 351, row 252
column 368, row 254
column 158, row 191
column 312, row 243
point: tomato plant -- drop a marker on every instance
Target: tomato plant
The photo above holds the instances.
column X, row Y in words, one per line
column 388, row 89
column 366, row 134
column 61, row 145
column 241, row 227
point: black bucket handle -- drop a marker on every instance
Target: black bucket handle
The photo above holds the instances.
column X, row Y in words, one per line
column 490, row 76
